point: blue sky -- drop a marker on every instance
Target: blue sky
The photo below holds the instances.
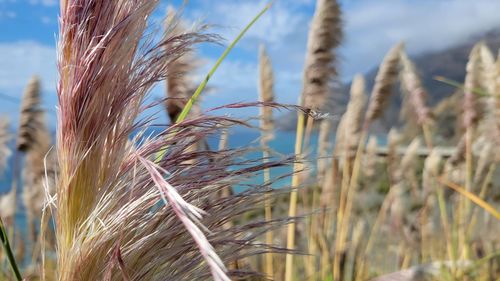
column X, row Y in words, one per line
column 28, row 31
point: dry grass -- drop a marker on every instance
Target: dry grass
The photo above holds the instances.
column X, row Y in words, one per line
column 134, row 206
column 387, row 76
column 120, row 215
column 4, row 140
column 266, row 95
column 325, row 35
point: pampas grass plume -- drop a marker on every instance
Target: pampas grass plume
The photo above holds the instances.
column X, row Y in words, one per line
column 4, row 140
column 414, row 91
column 30, row 115
column 472, row 79
column 385, row 80
column 354, row 114
column 179, row 84
column 266, row 95
column 324, row 35
column 370, row 162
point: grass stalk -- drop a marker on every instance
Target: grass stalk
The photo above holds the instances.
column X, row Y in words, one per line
column 292, row 212
column 8, row 250
column 268, row 216
column 189, row 105
column 345, row 216
column 482, row 194
column 444, row 221
column 266, row 94
column 468, row 187
column 427, row 135
column 194, row 97
column 472, row 197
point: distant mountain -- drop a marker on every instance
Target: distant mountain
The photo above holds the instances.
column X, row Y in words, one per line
column 449, row 63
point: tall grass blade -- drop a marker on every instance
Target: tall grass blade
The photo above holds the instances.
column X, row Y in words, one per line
column 203, row 84
column 8, row 250
column 472, row 197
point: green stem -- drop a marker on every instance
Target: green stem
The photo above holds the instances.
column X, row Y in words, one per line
column 203, row 84
column 8, row 251
column 458, row 85
column 194, row 97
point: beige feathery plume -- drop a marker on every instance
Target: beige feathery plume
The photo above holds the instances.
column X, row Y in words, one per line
column 403, row 179
column 370, row 163
column 490, row 125
column 39, row 169
column 4, row 139
column 387, row 76
column 486, row 157
column 180, row 85
column 8, row 206
column 458, row 155
column 29, row 115
column 408, row 162
column 354, row 115
column 414, row 93
column 223, row 140
column 324, row 146
column 7, row 201
column 393, row 140
column 494, row 107
column 472, row 82
column 488, row 73
column 266, row 94
column 431, row 171
column 497, row 79
column 340, row 142
column 325, row 35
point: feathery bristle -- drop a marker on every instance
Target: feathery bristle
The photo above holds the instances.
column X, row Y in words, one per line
column 354, row 114
column 431, row 171
column 30, row 114
column 488, row 73
column 118, row 213
column 370, row 161
column 4, row 140
column 266, row 95
column 486, row 157
column 340, row 141
column 385, row 80
column 408, row 161
column 180, row 85
column 414, row 92
column 458, row 155
column 490, row 125
column 39, row 169
column 472, row 82
column 8, row 206
column 324, row 36
column 105, row 72
column 393, row 140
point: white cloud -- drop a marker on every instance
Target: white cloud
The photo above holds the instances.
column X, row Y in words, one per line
column 283, row 30
column 372, row 27
column 7, row 15
column 280, row 21
column 47, row 20
column 44, row 2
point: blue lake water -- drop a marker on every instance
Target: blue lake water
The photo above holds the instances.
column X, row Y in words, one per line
column 282, row 145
